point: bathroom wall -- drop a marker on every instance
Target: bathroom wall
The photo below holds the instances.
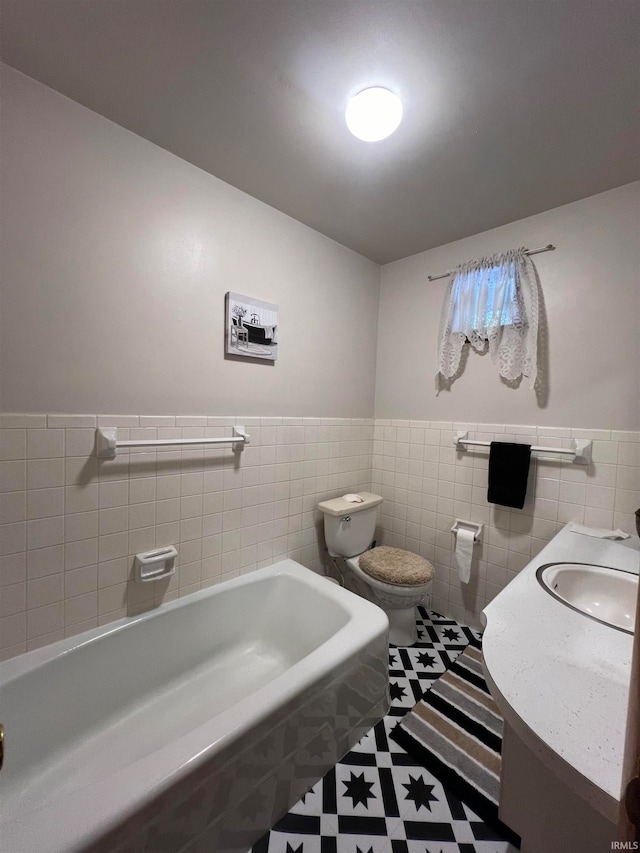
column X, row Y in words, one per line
column 427, row 484
column 116, row 256
column 71, row 524
column 591, row 287
column 590, row 347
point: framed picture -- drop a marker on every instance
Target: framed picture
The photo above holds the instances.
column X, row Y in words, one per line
column 251, row 329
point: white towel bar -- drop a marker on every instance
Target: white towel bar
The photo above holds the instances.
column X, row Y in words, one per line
column 580, row 449
column 107, row 444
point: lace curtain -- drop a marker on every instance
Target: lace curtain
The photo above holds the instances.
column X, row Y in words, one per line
column 492, row 302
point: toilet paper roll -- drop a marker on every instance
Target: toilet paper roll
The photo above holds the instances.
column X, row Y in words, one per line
column 464, row 553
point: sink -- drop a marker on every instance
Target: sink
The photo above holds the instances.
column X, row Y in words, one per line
column 599, row 592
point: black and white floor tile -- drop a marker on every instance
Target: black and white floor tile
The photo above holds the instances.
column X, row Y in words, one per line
column 377, row 799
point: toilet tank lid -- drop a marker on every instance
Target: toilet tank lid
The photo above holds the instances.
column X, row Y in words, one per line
column 338, row 506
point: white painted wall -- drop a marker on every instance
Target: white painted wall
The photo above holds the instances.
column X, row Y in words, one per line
column 116, row 256
column 591, row 289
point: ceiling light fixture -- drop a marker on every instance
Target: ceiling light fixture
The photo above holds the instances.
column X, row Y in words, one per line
column 373, row 114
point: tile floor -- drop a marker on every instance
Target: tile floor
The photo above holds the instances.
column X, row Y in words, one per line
column 377, row 799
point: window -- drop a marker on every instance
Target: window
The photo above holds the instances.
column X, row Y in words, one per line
column 491, row 302
column 484, row 299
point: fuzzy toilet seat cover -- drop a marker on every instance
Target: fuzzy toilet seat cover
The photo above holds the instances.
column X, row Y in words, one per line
column 396, row 566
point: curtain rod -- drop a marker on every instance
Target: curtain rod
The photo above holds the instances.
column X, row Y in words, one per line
column 548, row 248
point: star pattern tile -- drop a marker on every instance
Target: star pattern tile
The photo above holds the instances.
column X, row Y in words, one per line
column 377, row 799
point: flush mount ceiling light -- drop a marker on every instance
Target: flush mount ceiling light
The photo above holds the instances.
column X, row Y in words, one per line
column 373, row 114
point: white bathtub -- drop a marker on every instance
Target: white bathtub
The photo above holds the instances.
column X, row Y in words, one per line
column 194, row 727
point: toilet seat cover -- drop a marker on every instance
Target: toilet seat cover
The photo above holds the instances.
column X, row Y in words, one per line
column 394, row 565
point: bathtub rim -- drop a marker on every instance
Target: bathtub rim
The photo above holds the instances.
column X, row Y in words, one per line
column 25, row 662
column 118, row 795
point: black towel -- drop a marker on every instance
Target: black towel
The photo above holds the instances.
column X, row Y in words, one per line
column 508, row 472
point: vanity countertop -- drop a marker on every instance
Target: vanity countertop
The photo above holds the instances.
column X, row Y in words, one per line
column 561, row 679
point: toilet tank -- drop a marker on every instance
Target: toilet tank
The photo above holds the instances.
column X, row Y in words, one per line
column 349, row 527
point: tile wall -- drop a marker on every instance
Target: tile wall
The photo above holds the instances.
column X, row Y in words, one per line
column 426, row 484
column 70, row 523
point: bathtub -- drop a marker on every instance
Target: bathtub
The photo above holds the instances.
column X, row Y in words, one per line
column 191, row 728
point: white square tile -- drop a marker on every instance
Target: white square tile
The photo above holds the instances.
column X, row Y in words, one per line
column 45, row 473
column 45, row 561
column 167, row 534
column 13, row 569
column 12, row 599
column 80, row 608
column 44, row 503
column 605, row 451
column 13, row 477
column 190, row 528
column 628, row 478
column 168, row 486
column 570, row 512
column 13, row 444
column 44, row 532
column 45, row 620
column 600, row 497
column 81, row 525
column 191, row 506
column 113, row 572
column 13, row 630
column 112, row 545
column 80, row 442
column 80, row 470
column 45, row 639
column 190, row 552
column 627, row 501
column 572, row 492
column 81, row 498
column 81, row 581
column 82, row 553
column 113, row 520
column 142, row 539
column 142, row 490
column 115, row 493
column 45, row 590
column 112, row 598
column 45, row 443
column 142, row 515
column 13, row 507
column 80, row 627
column 596, row 517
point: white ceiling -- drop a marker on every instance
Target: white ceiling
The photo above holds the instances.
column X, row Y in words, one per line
column 511, row 107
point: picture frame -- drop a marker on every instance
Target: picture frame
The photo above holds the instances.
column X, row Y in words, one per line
column 251, row 327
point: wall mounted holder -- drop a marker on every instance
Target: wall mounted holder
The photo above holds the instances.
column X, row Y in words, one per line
column 580, row 448
column 461, row 524
column 107, row 444
column 155, row 565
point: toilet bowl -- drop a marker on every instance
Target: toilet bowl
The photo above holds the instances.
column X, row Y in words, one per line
column 403, row 580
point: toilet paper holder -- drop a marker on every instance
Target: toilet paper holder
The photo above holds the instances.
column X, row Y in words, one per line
column 461, row 524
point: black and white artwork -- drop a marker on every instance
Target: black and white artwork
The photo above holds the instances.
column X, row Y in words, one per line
column 251, row 327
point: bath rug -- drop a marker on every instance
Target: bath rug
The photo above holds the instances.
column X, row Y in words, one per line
column 455, row 731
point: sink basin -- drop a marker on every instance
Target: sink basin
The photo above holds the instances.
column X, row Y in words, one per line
column 599, row 592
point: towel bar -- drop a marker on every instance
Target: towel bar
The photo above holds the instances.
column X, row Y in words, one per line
column 107, row 443
column 580, row 450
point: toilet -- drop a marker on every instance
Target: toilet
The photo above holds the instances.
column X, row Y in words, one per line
column 396, row 580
